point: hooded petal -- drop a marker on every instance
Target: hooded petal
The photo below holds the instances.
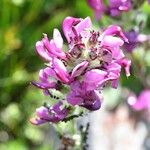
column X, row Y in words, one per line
column 84, row 24
column 126, row 64
column 57, row 38
column 92, row 100
column 43, row 112
column 76, row 86
column 72, row 27
column 115, row 30
column 60, row 70
column 52, row 46
column 47, row 78
column 42, row 51
column 114, row 68
column 68, row 23
column 42, row 116
column 112, row 41
column 79, row 69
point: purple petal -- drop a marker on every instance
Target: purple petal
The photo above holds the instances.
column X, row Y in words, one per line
column 112, row 41
column 114, row 68
column 72, row 27
column 42, row 52
column 44, row 75
column 96, row 4
column 92, row 100
column 57, row 106
column 52, row 48
column 116, row 6
column 57, row 38
column 115, row 83
column 126, row 64
column 37, row 121
column 46, row 85
column 115, row 30
column 95, row 106
column 53, row 114
column 84, row 24
column 68, row 23
column 133, row 40
column 74, row 99
column 114, row 12
column 94, row 78
column 76, row 86
column 60, row 70
column 79, row 69
column 43, row 112
column 45, row 82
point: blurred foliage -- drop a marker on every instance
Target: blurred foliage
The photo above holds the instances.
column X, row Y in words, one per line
column 22, row 23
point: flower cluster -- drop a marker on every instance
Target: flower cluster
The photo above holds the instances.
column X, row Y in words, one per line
column 93, row 59
column 114, row 7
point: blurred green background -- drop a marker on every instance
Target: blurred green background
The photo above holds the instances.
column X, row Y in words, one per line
column 22, row 23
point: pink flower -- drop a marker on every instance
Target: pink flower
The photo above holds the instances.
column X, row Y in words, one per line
column 52, row 114
column 50, row 49
column 85, row 47
column 45, row 82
